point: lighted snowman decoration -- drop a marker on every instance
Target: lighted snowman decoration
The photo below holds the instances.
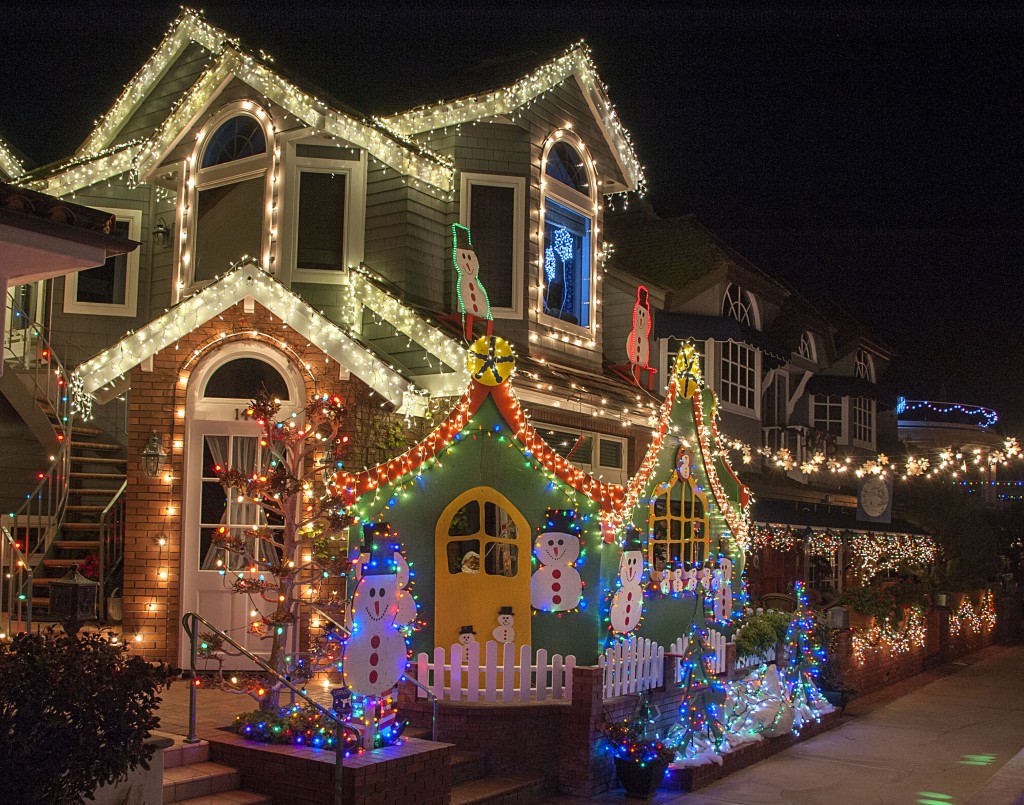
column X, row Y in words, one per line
column 375, row 654
column 406, row 603
column 627, row 604
column 556, row 585
column 505, row 633
column 721, row 586
column 638, row 344
column 473, row 300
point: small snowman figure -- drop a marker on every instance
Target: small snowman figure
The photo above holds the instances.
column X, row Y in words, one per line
column 627, row 605
column 665, row 583
column 505, row 633
column 375, row 655
column 638, row 344
column 406, row 604
column 721, row 585
column 556, row 585
column 466, row 635
column 473, row 298
column 679, row 580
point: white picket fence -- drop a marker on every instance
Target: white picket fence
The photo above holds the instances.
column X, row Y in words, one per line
column 632, row 666
column 742, row 663
column 501, row 675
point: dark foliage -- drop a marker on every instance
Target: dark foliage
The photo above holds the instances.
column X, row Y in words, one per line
column 75, row 713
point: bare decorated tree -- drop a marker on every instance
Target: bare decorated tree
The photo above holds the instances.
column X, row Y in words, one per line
column 296, row 552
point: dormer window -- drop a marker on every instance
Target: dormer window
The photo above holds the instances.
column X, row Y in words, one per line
column 569, row 211
column 738, row 304
column 864, row 366
column 228, row 217
column 808, row 351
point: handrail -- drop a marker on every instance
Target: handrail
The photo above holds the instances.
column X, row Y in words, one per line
column 340, row 724
column 15, row 568
column 39, row 518
column 430, row 694
column 112, row 533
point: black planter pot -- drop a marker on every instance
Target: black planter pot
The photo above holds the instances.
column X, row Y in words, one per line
column 639, row 781
column 833, row 697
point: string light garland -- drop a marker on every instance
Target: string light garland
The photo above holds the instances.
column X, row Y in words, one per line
column 986, row 416
column 971, row 620
column 9, row 163
column 890, row 637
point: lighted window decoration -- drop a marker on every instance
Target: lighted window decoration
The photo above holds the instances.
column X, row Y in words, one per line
column 863, row 411
column 569, row 210
column 739, row 375
column 738, row 304
column 496, row 534
column 678, row 524
column 226, row 218
column 827, row 414
column 864, row 366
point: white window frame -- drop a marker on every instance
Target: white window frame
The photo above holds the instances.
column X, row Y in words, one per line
column 754, row 410
column 844, row 419
column 580, row 203
column 233, row 172
column 518, row 185
column 870, row 412
column 354, row 233
column 131, row 280
column 617, row 475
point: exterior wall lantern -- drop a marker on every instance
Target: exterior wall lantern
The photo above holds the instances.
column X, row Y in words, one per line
column 73, row 600
column 161, row 234
column 153, row 455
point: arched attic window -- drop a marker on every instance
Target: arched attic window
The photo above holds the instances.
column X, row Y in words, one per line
column 569, row 215
column 808, row 350
column 864, row 366
column 738, row 304
column 228, row 216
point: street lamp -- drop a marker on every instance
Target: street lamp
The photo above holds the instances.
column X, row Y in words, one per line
column 153, row 455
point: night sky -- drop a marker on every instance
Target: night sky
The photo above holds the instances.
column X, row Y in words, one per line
column 871, row 157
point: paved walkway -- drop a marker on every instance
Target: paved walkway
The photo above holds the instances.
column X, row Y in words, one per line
column 938, row 744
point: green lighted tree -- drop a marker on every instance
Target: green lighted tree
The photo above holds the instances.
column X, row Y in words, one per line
column 701, row 710
column 804, row 657
column 297, row 551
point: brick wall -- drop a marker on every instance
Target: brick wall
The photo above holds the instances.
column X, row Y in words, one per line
column 152, row 560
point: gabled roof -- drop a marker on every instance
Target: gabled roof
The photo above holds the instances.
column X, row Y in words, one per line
column 576, row 61
column 99, row 158
column 248, row 280
column 607, row 496
column 674, row 252
column 10, row 165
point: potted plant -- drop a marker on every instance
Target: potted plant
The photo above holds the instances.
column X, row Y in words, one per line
column 76, row 712
column 640, row 760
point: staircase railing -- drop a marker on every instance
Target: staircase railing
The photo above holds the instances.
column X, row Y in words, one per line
column 16, row 587
column 112, row 533
column 190, row 621
column 36, row 523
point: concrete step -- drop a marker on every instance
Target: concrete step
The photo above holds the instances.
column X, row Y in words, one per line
column 500, row 791
column 202, row 779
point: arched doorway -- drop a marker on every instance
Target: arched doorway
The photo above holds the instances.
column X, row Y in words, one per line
column 217, row 434
column 482, row 562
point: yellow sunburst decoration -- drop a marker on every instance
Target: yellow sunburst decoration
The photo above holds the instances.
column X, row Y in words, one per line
column 687, row 369
column 490, row 360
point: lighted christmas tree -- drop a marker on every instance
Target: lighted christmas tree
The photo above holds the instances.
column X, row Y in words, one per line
column 295, row 554
column 804, row 658
column 701, row 711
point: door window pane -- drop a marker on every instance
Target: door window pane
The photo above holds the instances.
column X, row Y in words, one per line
column 464, row 556
column 502, row 559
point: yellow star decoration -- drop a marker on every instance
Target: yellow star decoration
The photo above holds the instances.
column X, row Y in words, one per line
column 490, row 360
column 687, row 369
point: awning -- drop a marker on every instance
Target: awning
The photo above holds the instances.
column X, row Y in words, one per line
column 832, row 518
column 841, row 386
column 720, row 328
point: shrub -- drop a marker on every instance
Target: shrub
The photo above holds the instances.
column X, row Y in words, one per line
column 75, row 713
column 761, row 632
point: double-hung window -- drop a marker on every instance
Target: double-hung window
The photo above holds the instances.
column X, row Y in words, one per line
column 863, row 416
column 112, row 288
column 568, row 210
column 739, row 375
column 493, row 207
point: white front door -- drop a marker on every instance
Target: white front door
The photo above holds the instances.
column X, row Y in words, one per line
column 209, row 572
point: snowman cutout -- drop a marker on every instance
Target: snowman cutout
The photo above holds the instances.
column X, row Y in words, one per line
column 375, row 653
column 406, row 603
column 628, row 602
column 721, row 585
column 504, row 633
column 473, row 299
column 638, row 344
column 466, row 635
column 556, row 585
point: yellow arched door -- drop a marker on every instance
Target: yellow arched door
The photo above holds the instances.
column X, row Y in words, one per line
column 482, row 551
